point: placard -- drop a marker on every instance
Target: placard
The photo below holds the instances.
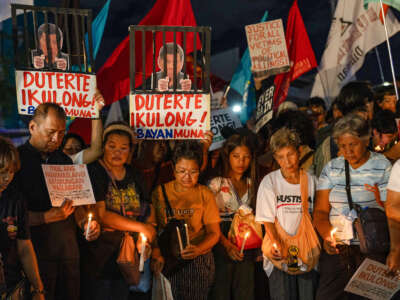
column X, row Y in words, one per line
column 170, row 116
column 73, row 91
column 68, row 182
column 264, row 109
column 267, row 46
column 372, row 280
column 219, row 119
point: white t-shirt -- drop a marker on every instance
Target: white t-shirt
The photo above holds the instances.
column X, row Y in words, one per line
column 77, row 158
column 277, row 198
column 394, row 179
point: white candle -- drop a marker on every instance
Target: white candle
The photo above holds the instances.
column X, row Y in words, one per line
column 187, row 235
column 88, row 225
column 141, row 262
column 244, row 241
column 179, row 238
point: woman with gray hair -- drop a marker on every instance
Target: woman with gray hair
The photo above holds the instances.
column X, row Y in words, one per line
column 283, row 200
column 368, row 174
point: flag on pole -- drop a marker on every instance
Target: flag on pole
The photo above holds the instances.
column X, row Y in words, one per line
column 242, row 82
column 301, row 54
column 113, row 77
column 393, row 3
column 354, row 32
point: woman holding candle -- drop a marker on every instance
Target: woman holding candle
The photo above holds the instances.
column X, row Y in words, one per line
column 234, row 274
column 368, row 175
column 280, row 202
column 195, row 204
column 121, row 207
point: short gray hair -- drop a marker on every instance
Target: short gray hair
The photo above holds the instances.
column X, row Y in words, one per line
column 352, row 124
column 284, row 137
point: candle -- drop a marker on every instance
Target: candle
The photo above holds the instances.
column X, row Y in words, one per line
column 179, row 238
column 275, row 246
column 187, row 235
column 332, row 235
column 141, row 261
column 244, row 241
column 88, row 225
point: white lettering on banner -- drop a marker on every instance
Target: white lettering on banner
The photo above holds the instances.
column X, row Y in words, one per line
column 264, row 107
column 170, row 116
column 68, row 182
column 72, row 91
column 219, row 119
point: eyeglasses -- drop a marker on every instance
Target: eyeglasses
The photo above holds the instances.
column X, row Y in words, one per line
column 191, row 173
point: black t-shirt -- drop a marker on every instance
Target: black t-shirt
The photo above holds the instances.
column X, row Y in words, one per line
column 130, row 189
column 13, row 225
column 54, row 241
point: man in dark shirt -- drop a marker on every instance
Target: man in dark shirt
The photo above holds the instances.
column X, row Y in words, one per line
column 53, row 229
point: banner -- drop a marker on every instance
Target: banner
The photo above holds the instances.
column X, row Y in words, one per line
column 264, row 110
column 73, row 91
column 372, row 280
column 219, row 119
column 267, row 47
column 354, row 32
column 170, row 116
column 68, row 182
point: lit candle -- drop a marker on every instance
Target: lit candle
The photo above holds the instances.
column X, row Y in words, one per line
column 244, row 241
column 187, row 235
column 88, row 225
column 275, row 246
column 179, row 238
column 332, row 235
column 141, row 262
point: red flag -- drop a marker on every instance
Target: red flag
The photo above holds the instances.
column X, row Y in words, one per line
column 301, row 54
column 113, row 77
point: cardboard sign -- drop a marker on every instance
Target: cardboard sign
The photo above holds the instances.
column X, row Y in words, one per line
column 72, row 91
column 219, row 119
column 372, row 280
column 267, row 46
column 264, row 110
column 69, row 182
column 170, row 116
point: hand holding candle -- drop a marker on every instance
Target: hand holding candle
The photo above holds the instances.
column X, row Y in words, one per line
column 88, row 225
column 179, row 238
column 142, row 252
column 246, row 236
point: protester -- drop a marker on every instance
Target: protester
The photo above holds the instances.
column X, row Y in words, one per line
column 368, row 176
column 234, row 271
column 279, row 200
column 53, row 229
column 16, row 248
column 195, row 204
column 385, row 98
column 122, row 207
column 317, row 110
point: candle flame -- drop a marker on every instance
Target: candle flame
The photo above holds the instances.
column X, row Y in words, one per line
column 90, row 215
column 378, row 148
column 333, row 231
column 247, row 234
column 144, row 238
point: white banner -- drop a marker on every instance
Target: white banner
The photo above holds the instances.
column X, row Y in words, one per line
column 354, row 32
column 68, row 182
column 219, row 119
column 170, row 116
column 72, row 91
column 372, row 280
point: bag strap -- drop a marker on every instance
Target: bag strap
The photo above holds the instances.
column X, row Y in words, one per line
column 348, row 188
column 169, row 211
column 306, row 157
column 304, row 189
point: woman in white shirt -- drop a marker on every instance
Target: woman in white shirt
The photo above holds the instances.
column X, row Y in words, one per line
column 234, row 272
column 279, row 197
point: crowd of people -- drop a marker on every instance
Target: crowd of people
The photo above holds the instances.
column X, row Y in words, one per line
column 299, row 177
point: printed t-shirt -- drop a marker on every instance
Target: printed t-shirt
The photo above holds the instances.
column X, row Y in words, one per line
column 228, row 200
column 277, row 198
column 54, row 241
column 13, row 225
column 196, row 206
column 333, row 177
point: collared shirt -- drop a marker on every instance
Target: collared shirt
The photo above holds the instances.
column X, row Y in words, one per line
column 56, row 240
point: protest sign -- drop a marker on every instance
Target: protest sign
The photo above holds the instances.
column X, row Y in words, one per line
column 373, row 281
column 264, row 110
column 267, row 46
column 68, row 182
column 73, row 91
column 170, row 116
column 219, row 119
